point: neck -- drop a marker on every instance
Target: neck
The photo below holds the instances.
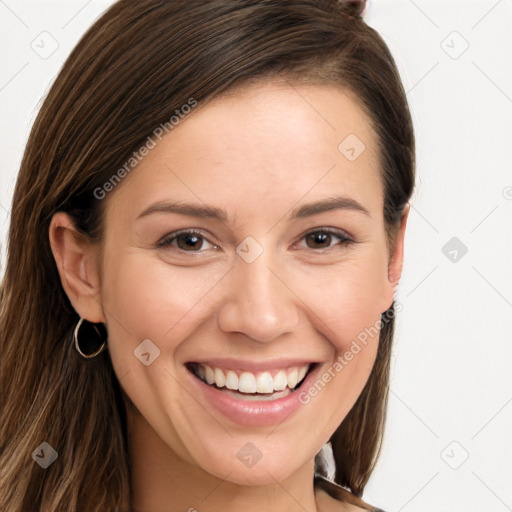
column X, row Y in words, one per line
column 164, row 482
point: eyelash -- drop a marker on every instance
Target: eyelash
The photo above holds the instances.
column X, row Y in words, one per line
column 167, row 240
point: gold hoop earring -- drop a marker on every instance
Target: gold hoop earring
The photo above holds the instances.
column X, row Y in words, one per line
column 89, row 337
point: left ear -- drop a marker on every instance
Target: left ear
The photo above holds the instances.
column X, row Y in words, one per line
column 396, row 259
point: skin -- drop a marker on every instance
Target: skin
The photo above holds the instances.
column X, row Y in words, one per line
column 258, row 153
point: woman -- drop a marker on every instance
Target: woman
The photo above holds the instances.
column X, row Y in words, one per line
column 206, row 235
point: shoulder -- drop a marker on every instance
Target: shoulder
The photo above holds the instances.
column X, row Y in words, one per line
column 331, row 497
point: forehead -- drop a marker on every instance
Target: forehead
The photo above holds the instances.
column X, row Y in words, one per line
column 271, row 141
column 280, row 120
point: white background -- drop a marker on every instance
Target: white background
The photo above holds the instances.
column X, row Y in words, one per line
column 451, row 390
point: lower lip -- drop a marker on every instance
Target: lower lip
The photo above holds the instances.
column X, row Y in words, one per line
column 253, row 413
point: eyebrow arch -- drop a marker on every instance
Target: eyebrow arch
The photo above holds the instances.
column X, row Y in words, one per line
column 184, row 208
column 207, row 211
column 325, row 205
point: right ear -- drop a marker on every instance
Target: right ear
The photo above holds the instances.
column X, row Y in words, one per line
column 78, row 264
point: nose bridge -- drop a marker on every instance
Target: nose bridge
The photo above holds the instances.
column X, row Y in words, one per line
column 259, row 304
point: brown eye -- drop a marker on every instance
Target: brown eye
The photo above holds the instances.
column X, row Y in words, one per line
column 319, row 240
column 326, row 239
column 186, row 241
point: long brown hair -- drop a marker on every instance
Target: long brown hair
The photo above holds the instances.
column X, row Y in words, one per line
column 139, row 63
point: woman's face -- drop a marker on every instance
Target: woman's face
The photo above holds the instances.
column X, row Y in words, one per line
column 288, row 265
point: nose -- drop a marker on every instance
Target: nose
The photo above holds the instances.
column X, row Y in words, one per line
column 259, row 302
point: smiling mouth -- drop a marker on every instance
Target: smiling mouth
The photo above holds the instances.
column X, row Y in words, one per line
column 275, row 383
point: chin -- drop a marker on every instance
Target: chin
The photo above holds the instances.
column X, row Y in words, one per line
column 267, row 470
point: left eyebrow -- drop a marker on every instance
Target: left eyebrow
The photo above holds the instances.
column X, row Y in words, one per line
column 325, row 205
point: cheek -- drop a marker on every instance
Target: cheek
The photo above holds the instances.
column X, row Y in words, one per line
column 347, row 301
column 346, row 308
column 145, row 300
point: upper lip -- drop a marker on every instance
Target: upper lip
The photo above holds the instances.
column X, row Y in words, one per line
column 253, row 366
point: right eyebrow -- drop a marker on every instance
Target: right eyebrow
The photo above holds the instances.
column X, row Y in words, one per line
column 185, row 208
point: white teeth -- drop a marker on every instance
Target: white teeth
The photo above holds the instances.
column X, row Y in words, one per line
column 220, row 378
column 264, row 383
column 231, row 380
column 209, row 375
column 248, row 382
column 302, row 373
column 280, row 381
column 292, row 378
